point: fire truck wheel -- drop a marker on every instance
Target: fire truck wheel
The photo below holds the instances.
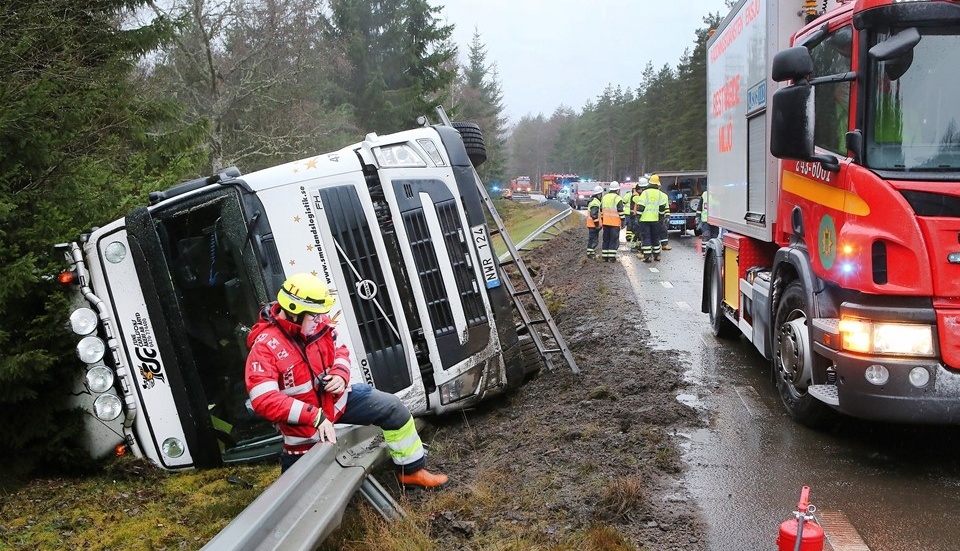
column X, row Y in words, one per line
column 794, row 360
column 722, row 327
column 473, row 141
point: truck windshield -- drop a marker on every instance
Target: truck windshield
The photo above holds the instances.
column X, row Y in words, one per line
column 219, row 287
column 913, row 116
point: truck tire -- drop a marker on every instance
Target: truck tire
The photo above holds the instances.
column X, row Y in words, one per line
column 722, row 327
column 794, row 360
column 473, row 140
column 532, row 362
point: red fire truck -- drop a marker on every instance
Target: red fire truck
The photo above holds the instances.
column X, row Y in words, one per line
column 520, row 185
column 552, row 184
column 839, row 247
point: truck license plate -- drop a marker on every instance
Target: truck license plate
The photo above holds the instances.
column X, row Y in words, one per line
column 485, row 251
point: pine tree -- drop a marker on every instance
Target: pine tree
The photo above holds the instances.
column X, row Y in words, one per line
column 480, row 99
column 76, row 145
column 399, row 58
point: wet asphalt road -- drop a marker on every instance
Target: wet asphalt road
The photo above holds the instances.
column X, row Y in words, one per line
column 876, row 486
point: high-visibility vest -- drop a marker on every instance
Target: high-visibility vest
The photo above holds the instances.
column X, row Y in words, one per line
column 649, row 199
column 703, row 206
column 593, row 204
column 610, row 209
column 665, row 202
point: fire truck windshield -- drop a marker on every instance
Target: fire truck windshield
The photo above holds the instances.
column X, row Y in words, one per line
column 913, row 116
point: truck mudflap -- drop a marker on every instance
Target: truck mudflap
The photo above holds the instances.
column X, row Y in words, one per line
column 902, row 398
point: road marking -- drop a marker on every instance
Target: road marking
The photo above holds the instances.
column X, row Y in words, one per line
column 654, row 270
column 841, row 535
column 751, row 401
column 683, row 305
column 667, row 284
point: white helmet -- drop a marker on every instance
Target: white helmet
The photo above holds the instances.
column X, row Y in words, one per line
column 642, row 182
column 614, row 186
column 597, row 189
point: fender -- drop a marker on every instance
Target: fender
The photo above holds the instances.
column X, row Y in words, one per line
column 792, row 263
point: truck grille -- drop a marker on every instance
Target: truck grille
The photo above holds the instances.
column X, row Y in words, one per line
column 359, row 262
column 431, row 275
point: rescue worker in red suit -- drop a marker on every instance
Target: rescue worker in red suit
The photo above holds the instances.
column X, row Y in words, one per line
column 298, row 377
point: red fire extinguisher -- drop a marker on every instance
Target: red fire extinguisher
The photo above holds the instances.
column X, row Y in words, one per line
column 801, row 533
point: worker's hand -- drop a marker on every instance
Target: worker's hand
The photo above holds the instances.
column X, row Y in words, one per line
column 334, row 384
column 326, row 431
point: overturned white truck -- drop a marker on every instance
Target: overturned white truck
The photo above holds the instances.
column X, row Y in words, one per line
column 395, row 225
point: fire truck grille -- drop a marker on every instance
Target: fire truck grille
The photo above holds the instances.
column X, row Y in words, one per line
column 431, row 274
column 369, row 295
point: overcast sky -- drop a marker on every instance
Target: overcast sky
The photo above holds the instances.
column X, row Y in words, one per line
column 565, row 52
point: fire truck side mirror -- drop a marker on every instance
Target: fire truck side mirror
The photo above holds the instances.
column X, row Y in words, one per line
column 791, row 135
column 792, row 129
column 792, row 64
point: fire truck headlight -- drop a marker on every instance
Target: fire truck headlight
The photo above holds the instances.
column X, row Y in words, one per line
column 83, row 321
column 919, row 377
column 877, row 375
column 99, row 379
column 172, row 447
column 463, row 386
column 910, row 340
column 107, row 407
column 398, row 156
column 896, row 339
column 91, row 350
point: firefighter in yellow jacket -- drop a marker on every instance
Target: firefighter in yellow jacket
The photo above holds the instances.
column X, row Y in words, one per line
column 651, row 211
column 611, row 219
column 593, row 222
column 665, row 219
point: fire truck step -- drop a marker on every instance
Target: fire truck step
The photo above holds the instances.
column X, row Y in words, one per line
column 825, row 393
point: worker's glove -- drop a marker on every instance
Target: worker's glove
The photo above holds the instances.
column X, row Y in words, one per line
column 325, row 429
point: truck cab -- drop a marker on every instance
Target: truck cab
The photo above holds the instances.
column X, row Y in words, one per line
column 838, row 256
column 394, row 225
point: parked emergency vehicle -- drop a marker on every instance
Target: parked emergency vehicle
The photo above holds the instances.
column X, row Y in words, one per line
column 394, row 225
column 841, row 260
column 553, row 184
column 684, row 189
column 521, row 185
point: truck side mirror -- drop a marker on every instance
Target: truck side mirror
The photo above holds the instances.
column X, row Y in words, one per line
column 792, row 134
column 792, row 129
column 792, row 64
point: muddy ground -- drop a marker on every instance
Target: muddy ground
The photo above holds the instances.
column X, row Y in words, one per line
column 570, row 452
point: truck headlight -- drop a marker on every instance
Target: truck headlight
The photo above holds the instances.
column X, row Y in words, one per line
column 91, row 350
column 83, row 321
column 897, row 339
column 99, row 379
column 398, row 156
column 115, row 252
column 463, row 386
column 107, row 407
column 432, row 151
column 172, row 447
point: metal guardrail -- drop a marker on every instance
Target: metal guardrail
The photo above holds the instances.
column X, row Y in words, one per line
column 537, row 234
column 305, row 504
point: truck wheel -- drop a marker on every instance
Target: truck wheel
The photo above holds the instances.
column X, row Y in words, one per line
column 532, row 363
column 473, row 140
column 793, row 360
column 722, row 327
